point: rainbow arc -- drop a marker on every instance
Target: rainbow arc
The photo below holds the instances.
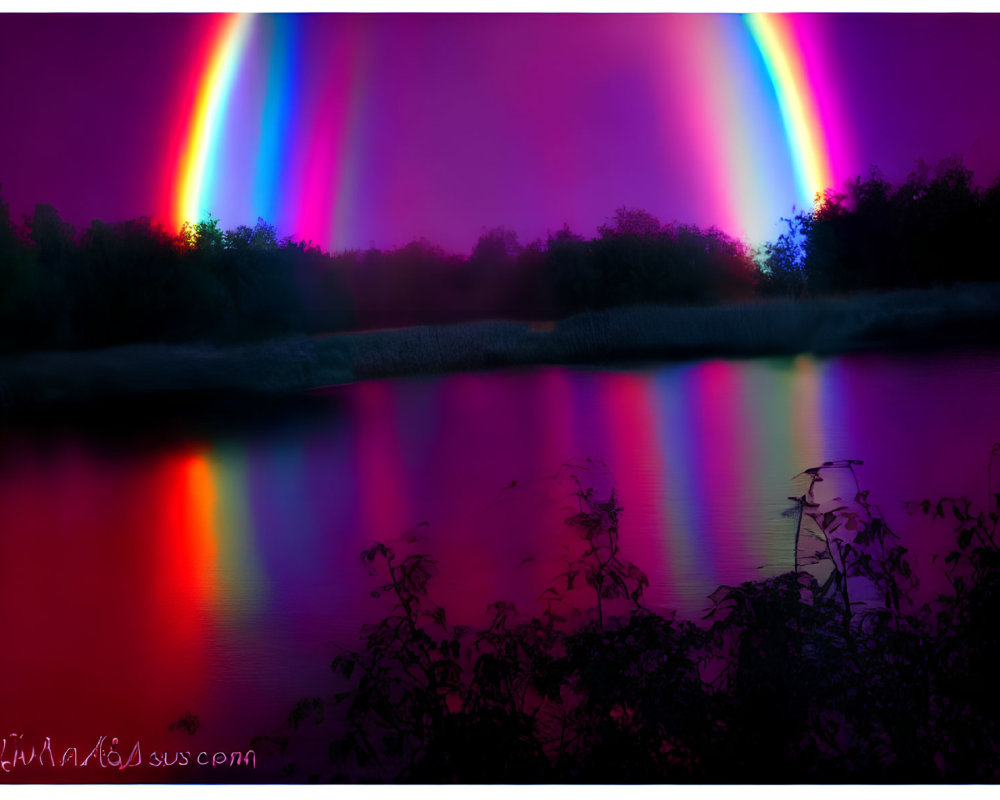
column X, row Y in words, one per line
column 279, row 124
column 774, row 34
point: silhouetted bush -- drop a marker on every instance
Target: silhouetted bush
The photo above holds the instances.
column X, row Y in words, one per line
column 829, row 673
column 935, row 229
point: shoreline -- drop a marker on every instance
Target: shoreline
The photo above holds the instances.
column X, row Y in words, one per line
column 961, row 316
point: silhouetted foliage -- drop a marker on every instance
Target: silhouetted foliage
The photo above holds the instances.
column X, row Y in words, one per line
column 637, row 260
column 134, row 281
column 830, row 673
column 495, row 247
column 935, row 229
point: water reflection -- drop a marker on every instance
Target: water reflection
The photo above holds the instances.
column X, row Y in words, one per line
column 216, row 573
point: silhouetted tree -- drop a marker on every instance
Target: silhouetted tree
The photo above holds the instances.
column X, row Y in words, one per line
column 495, row 246
column 260, row 237
column 935, row 228
column 635, row 222
column 205, row 235
column 781, row 262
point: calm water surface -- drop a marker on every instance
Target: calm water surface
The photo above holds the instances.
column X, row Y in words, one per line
column 218, row 573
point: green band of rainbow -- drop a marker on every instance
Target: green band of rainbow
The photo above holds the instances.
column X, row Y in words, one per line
column 316, row 110
column 775, row 37
column 195, row 172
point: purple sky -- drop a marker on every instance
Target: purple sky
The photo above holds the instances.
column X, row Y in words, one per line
column 460, row 123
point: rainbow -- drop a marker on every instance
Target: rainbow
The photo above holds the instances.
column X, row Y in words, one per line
column 197, row 167
column 776, row 38
column 289, row 118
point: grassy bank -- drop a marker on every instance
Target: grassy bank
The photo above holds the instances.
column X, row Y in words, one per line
column 965, row 315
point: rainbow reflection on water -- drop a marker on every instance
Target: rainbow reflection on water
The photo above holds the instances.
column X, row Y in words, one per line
column 218, row 573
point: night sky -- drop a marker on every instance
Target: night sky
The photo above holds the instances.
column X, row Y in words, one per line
column 358, row 130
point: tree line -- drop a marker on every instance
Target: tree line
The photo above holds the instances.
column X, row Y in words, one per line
column 936, row 228
column 135, row 281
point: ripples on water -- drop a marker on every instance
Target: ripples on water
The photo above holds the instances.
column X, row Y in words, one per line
column 214, row 567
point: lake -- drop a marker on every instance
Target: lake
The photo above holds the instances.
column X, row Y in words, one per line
column 214, row 569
